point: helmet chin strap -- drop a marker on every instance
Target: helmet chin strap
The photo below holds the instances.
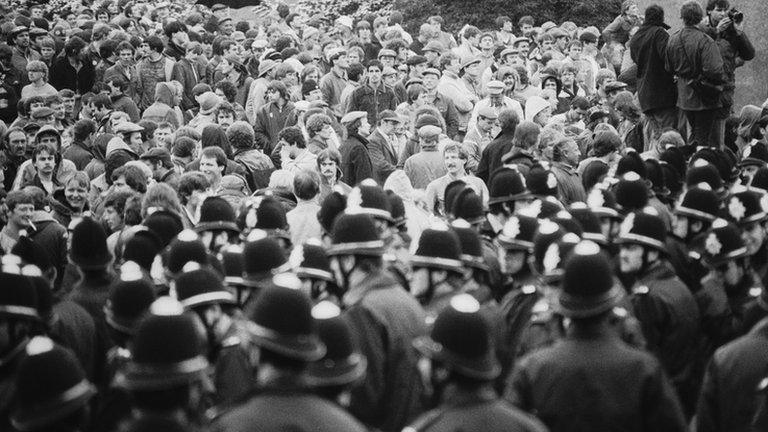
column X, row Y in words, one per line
column 426, row 297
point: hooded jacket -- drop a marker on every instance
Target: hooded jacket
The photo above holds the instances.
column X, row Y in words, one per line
column 656, row 87
column 162, row 110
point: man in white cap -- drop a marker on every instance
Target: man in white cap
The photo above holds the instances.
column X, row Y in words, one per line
column 495, row 100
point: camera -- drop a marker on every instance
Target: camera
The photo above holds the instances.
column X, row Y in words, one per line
column 736, row 16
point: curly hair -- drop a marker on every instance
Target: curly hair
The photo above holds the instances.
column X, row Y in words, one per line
column 316, row 123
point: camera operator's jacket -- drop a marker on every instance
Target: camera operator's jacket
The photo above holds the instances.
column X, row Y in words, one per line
column 735, row 48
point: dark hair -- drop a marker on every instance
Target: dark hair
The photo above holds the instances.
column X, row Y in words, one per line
column 354, row 71
column 306, row 184
column 215, row 152
column 107, row 48
column 712, row 4
column 228, row 88
column 214, row 136
column 82, row 129
column 292, row 135
column 279, row 87
column 190, row 182
column 17, row 197
column 691, row 13
column 155, row 43
column 580, row 102
column 119, row 82
column 527, row 19
column 101, row 101
column 43, row 147
column 134, row 177
column 74, row 46
column 183, row 147
column 117, row 200
column 375, row 63
column 115, row 160
column 174, row 27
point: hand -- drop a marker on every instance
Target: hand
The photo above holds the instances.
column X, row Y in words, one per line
column 723, row 25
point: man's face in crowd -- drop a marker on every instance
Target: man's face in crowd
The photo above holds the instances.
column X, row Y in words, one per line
column 44, row 163
column 314, row 95
column 102, row 17
column 754, row 236
column 511, row 261
column 225, row 119
column 328, row 168
column 17, row 143
column 22, row 40
column 21, row 214
column 547, row 45
column 342, row 61
column 730, row 273
column 75, row 194
column 227, row 27
column 526, row 29
column 630, row 258
column 524, row 47
column 112, row 218
column 365, row 127
column 486, row 42
column 134, row 139
column 59, row 111
column 273, row 95
column 374, row 75
column 126, row 56
column 561, row 42
column 575, row 52
column 390, row 79
column 120, row 184
column 353, row 57
column 571, row 153
column 388, row 61
column 48, row 139
column 453, row 162
column 364, row 34
column 72, row 20
column 144, row 49
column 35, row 75
column 47, row 52
column 485, row 124
column 430, row 81
column 161, row 134
column 209, row 166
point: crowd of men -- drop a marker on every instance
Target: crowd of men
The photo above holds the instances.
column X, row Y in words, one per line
column 290, row 224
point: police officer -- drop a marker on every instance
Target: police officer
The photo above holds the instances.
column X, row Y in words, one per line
column 693, row 216
column 582, row 382
column 310, row 263
column 735, row 378
column 343, row 365
column 130, row 297
column 437, row 269
column 18, row 314
column 286, row 334
column 730, row 290
column 507, row 193
column 217, row 224
column 666, row 309
column 165, row 374
column 459, row 367
column 202, row 291
column 263, row 257
column 385, row 319
column 52, row 390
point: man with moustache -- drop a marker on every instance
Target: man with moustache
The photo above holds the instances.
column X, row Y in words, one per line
column 455, row 158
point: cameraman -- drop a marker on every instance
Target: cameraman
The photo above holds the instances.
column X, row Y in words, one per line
column 725, row 26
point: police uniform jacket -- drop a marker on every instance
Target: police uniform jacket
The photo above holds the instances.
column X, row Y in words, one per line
column 729, row 394
column 479, row 410
column 669, row 317
column 286, row 408
column 582, row 383
column 386, row 320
